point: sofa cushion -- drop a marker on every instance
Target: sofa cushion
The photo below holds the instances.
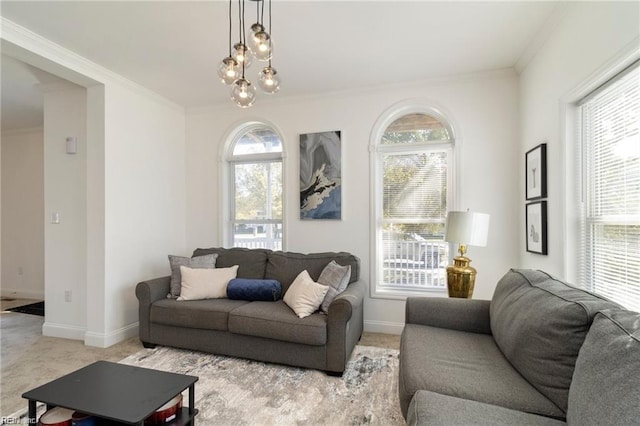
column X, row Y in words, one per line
column 434, row 409
column 252, row 262
column 540, row 323
column 605, row 386
column 210, row 314
column 208, row 261
column 285, row 266
column 465, row 365
column 275, row 320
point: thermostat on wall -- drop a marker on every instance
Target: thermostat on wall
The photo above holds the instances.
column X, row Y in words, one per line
column 72, row 145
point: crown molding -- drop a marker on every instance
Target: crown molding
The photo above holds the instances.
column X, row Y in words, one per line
column 541, row 37
column 30, row 47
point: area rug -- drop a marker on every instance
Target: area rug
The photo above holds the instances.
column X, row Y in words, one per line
column 232, row 391
column 32, row 309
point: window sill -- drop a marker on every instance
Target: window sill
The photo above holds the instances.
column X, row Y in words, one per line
column 397, row 294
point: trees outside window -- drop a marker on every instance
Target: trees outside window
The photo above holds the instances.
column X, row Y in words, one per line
column 255, row 193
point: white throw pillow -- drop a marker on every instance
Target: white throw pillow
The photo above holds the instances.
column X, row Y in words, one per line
column 304, row 295
column 205, row 283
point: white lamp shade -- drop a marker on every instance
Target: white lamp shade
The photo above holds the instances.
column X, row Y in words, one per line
column 467, row 228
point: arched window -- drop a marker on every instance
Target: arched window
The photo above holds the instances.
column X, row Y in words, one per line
column 413, row 174
column 255, row 191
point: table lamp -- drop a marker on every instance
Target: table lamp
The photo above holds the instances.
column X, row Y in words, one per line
column 464, row 228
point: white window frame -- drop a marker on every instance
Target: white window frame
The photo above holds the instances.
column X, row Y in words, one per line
column 227, row 187
column 376, row 150
column 571, row 139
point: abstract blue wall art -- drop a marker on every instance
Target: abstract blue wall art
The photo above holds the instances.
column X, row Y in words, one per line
column 321, row 175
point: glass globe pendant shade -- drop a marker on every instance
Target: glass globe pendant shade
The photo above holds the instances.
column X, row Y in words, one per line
column 243, row 93
column 268, row 80
column 263, row 49
column 228, row 70
column 241, row 53
column 251, row 36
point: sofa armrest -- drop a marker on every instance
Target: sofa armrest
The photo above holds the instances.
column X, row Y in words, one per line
column 455, row 314
column 346, row 302
column 148, row 292
column 344, row 325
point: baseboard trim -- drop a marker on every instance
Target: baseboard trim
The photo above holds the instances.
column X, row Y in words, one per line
column 22, row 294
column 62, row 331
column 104, row 340
column 383, row 327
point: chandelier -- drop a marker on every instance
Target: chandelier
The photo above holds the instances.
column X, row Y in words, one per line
column 255, row 43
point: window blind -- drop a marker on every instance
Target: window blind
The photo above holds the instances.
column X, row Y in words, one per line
column 413, row 189
column 610, row 219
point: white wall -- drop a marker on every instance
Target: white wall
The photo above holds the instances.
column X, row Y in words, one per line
column 134, row 199
column 144, row 202
column 23, row 208
column 129, row 173
column 484, row 111
column 65, row 243
column 1, row 204
column 587, row 41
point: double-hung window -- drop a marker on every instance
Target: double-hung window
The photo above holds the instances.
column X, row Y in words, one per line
column 413, row 169
column 610, row 166
column 255, row 190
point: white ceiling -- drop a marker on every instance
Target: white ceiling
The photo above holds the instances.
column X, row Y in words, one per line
column 174, row 47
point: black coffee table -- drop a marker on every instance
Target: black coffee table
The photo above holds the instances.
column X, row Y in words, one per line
column 116, row 393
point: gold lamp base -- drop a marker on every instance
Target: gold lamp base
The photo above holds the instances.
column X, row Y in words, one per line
column 461, row 277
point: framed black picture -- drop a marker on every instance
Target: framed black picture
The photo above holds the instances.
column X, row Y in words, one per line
column 537, row 227
column 536, row 169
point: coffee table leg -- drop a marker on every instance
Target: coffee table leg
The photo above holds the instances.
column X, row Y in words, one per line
column 192, row 402
column 32, row 412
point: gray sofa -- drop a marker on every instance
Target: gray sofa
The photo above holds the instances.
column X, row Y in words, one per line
column 263, row 331
column 541, row 352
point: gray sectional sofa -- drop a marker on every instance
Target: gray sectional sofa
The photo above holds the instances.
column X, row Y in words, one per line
column 541, row 352
column 264, row 331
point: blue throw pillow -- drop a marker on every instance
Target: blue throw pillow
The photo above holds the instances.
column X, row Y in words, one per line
column 254, row 290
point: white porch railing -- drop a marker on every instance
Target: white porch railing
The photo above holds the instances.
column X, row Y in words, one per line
column 258, row 241
column 419, row 264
